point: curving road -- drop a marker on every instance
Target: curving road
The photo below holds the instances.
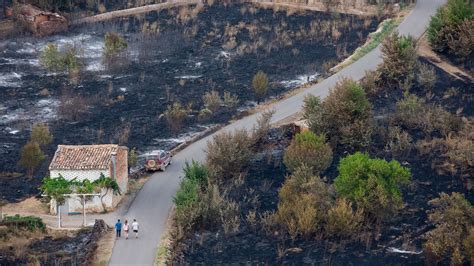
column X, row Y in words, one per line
column 152, row 204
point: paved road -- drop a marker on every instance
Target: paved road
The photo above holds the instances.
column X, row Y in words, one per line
column 152, row 204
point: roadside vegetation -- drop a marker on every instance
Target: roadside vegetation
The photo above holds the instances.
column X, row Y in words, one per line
column 451, row 30
column 377, row 153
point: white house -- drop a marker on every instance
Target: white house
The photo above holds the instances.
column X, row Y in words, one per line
column 88, row 162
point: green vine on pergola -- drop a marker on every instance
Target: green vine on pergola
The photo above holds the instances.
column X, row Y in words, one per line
column 60, row 188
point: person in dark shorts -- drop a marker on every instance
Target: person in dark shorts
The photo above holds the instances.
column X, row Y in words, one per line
column 135, row 227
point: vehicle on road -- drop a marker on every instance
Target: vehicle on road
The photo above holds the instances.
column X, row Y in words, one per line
column 157, row 160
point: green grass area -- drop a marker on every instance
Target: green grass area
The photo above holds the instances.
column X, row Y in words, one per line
column 31, row 223
column 385, row 28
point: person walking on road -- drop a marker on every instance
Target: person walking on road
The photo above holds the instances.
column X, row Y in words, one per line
column 126, row 227
column 118, row 228
column 135, row 227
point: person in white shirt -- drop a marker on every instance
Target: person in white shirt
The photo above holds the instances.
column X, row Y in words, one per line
column 126, row 227
column 135, row 227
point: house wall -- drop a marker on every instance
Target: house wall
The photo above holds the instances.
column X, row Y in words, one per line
column 92, row 175
column 94, row 204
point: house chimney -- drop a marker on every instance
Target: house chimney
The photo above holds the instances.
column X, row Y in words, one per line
column 114, row 165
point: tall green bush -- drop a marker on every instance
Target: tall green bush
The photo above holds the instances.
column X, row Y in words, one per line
column 399, row 59
column 451, row 29
column 345, row 116
column 372, row 184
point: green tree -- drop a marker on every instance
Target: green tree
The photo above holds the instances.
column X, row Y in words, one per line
column 31, row 157
column 372, row 184
column 40, row 134
column 399, row 59
column 260, row 84
column 106, row 185
column 309, row 149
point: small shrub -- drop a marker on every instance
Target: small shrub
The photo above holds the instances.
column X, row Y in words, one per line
column 262, row 127
column 369, row 83
column 196, row 172
column 468, row 245
column 55, row 60
column 31, row 157
column 451, row 29
column 345, row 116
column 228, row 153
column 175, row 116
column 452, row 217
column 461, row 40
column 212, row 100
column 186, row 195
column 399, row 59
column 204, row 114
column 372, row 184
column 412, row 112
column 452, row 154
column 40, row 134
column 342, row 220
column 426, row 77
column 308, row 149
column 113, row 44
column 51, row 57
column 314, row 113
column 303, row 202
column 260, row 84
column 133, row 157
column 230, row 100
column 399, row 142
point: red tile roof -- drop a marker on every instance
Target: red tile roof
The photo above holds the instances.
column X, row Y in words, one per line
column 83, row 157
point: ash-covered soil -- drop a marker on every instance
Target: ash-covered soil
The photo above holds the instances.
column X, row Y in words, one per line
column 397, row 242
column 173, row 55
